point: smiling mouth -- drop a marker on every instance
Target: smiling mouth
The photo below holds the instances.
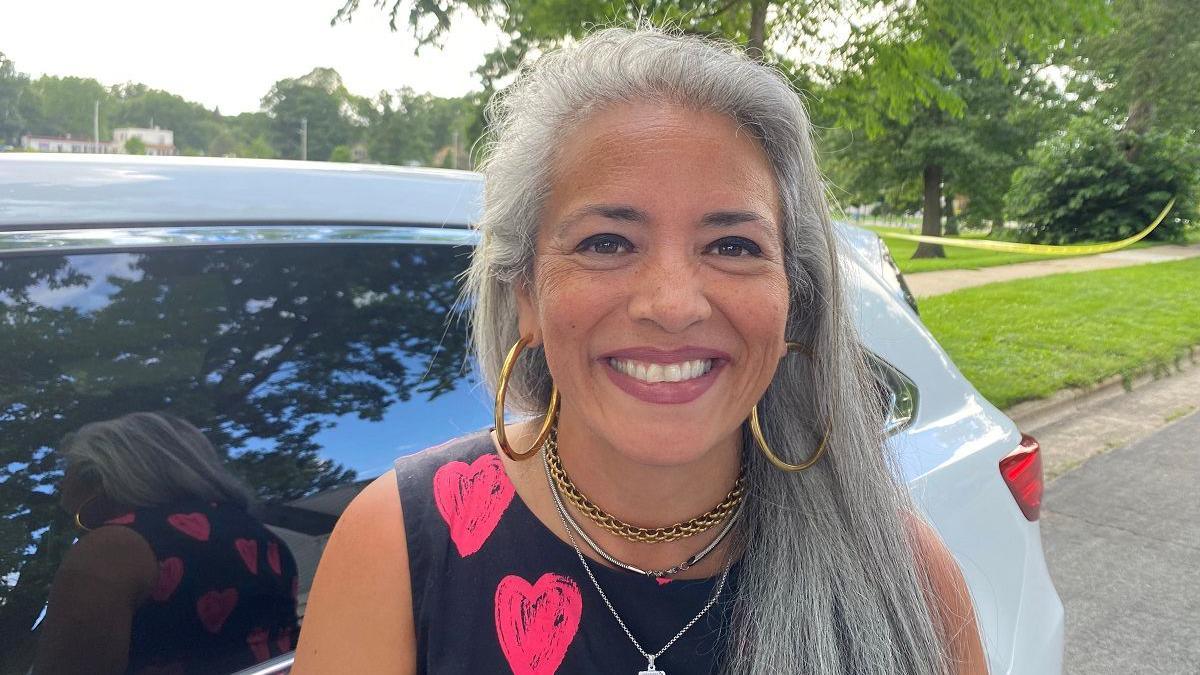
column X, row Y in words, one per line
column 651, row 373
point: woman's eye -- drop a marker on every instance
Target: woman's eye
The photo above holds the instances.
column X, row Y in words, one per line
column 605, row 244
column 734, row 247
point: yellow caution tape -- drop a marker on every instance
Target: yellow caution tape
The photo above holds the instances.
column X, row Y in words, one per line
column 1041, row 249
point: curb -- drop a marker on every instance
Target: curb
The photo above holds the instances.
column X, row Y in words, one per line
column 1030, row 416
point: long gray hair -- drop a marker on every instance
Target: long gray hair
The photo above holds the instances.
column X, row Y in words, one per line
column 829, row 581
column 148, row 459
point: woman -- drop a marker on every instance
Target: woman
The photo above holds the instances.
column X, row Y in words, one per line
column 171, row 573
column 658, row 256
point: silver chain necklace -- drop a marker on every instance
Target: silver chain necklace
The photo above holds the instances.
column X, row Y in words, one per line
column 660, row 574
column 650, row 658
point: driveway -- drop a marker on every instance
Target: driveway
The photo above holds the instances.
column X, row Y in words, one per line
column 1122, row 540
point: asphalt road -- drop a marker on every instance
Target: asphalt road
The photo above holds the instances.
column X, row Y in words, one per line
column 1122, row 541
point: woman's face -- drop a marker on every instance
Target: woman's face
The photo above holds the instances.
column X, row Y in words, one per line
column 659, row 288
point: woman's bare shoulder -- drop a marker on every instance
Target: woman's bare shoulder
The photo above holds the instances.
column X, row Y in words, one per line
column 359, row 616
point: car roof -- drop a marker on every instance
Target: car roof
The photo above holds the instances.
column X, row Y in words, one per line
column 55, row 190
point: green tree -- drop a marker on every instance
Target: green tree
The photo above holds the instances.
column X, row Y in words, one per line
column 1145, row 72
column 1081, row 184
column 406, row 128
column 319, row 97
column 891, row 65
column 135, row 146
column 341, row 153
column 973, row 155
column 136, row 105
column 67, row 105
column 14, row 87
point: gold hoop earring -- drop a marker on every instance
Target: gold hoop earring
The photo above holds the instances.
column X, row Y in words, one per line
column 510, row 362
column 756, row 431
column 78, row 521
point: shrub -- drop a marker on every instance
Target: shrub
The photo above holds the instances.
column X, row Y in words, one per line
column 1080, row 185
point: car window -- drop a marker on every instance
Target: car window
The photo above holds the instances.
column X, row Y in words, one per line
column 309, row 368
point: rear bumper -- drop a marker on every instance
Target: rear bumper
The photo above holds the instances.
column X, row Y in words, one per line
column 1039, row 635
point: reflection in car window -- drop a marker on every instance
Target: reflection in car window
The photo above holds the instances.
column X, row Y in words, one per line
column 308, row 368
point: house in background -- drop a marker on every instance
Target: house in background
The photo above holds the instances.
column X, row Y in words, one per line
column 157, row 142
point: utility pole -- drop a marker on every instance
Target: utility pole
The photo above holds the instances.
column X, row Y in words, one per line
column 454, row 161
column 304, row 139
column 96, row 125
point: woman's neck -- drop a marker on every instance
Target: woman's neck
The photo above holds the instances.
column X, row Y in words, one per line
column 635, row 492
column 642, row 494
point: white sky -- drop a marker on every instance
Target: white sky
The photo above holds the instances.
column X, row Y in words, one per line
column 230, row 52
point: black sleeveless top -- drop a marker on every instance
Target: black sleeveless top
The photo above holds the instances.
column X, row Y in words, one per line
column 494, row 591
column 225, row 597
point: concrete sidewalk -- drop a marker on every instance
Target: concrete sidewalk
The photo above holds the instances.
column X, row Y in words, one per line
column 925, row 284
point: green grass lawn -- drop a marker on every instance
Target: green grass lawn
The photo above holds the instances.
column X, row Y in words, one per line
column 1024, row 340
column 969, row 258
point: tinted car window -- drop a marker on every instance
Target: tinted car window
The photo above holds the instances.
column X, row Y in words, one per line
column 308, row 367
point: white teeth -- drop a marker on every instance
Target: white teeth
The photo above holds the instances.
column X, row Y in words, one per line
column 655, row 372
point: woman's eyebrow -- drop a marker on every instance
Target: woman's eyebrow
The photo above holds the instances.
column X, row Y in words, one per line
column 728, row 218
column 621, row 212
column 630, row 214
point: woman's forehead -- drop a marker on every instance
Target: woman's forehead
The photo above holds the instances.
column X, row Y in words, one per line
column 652, row 156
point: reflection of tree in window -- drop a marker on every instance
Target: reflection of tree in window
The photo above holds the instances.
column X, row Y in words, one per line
column 260, row 348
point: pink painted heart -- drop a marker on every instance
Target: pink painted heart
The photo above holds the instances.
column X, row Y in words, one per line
column 663, row 581
column 471, row 499
column 170, row 571
column 273, row 557
column 214, row 607
column 536, row 623
column 248, row 549
column 284, row 641
column 257, row 641
column 126, row 519
column 194, row 525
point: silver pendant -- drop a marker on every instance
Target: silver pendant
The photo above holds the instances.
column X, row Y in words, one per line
column 650, row 669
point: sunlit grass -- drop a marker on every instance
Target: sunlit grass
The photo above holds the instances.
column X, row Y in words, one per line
column 1026, row 339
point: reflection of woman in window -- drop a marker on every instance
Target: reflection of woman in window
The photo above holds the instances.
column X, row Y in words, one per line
column 172, row 573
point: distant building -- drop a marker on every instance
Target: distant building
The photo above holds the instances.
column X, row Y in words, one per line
column 157, row 141
column 65, row 144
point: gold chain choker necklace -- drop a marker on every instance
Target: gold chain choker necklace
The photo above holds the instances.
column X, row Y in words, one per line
column 655, row 535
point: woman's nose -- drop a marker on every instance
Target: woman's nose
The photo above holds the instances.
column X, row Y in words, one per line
column 670, row 292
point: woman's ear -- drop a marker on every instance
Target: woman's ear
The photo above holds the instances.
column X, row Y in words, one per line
column 528, row 323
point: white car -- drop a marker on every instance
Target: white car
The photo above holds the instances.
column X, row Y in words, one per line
column 301, row 314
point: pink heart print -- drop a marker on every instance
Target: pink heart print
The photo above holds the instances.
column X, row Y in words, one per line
column 170, row 571
column 257, row 641
column 471, row 499
column 284, row 642
column 537, row 623
column 273, row 557
column 214, row 607
column 194, row 525
column 248, row 549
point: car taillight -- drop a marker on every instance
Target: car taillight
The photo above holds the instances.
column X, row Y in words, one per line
column 1022, row 471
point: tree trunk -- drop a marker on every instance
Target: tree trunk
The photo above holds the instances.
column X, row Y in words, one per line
column 931, row 220
column 758, row 29
column 951, row 227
